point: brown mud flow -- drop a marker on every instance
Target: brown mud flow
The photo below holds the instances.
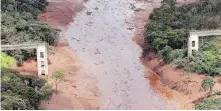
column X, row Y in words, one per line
column 102, row 36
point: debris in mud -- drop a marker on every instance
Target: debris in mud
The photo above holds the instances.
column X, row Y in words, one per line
column 100, row 40
column 75, row 39
column 89, row 23
column 61, row 43
column 102, row 62
column 97, row 51
column 138, row 9
column 74, row 86
column 130, row 28
column 88, row 13
column 132, row 6
column 83, row 49
column 96, row 8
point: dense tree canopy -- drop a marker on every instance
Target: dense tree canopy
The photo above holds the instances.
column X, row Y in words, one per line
column 22, row 91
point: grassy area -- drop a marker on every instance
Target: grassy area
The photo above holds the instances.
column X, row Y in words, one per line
column 6, row 60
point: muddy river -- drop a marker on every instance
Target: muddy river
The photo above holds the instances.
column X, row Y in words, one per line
column 102, row 37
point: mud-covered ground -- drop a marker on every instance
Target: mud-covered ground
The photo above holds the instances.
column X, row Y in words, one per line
column 59, row 13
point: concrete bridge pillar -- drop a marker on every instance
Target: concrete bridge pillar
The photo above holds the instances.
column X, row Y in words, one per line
column 42, row 60
column 193, row 44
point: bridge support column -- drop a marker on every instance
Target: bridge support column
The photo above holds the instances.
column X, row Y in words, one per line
column 193, row 44
column 42, row 60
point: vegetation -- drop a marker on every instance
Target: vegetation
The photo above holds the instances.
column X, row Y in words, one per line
column 6, row 60
column 209, row 104
column 168, row 31
column 58, row 77
column 19, row 25
column 22, row 92
column 208, row 83
column 206, row 61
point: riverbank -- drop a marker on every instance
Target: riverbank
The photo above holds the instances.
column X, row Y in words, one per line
column 177, row 84
column 79, row 90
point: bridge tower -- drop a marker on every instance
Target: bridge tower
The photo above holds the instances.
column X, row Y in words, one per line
column 42, row 57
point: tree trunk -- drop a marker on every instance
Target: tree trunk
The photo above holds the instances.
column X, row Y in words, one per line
column 211, row 89
column 56, row 88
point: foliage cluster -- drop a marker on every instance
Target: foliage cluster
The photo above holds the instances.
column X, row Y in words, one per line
column 208, row 83
column 58, row 76
column 168, row 32
column 22, row 92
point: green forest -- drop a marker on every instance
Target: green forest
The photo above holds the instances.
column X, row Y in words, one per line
column 19, row 25
column 168, row 32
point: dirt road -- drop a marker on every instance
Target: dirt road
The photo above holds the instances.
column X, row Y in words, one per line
column 102, row 36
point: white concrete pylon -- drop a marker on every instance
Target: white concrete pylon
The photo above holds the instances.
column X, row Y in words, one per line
column 42, row 60
column 193, row 44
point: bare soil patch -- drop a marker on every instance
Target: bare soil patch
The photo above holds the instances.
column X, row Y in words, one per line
column 59, row 13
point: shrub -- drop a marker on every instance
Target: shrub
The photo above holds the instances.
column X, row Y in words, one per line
column 58, row 77
column 208, row 83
